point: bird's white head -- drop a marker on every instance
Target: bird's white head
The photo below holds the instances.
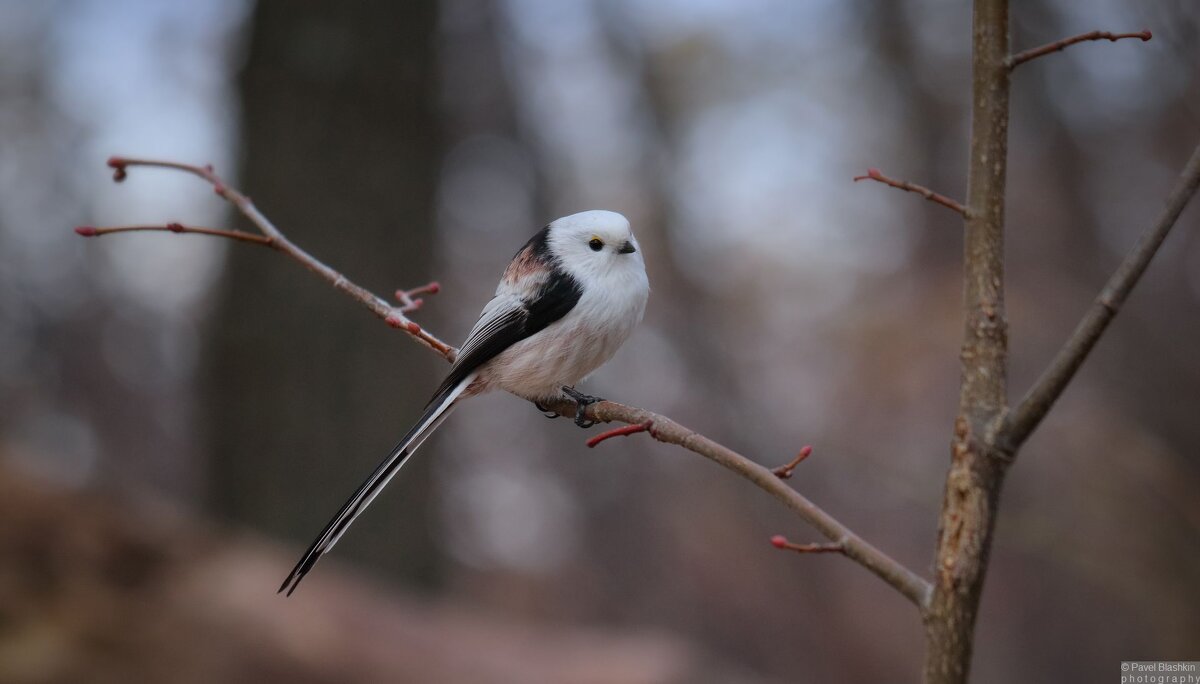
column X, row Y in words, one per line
column 596, row 244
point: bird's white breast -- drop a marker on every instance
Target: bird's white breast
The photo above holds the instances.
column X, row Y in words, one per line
column 568, row 350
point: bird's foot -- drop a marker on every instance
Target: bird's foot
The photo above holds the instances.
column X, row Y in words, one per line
column 545, row 411
column 582, row 401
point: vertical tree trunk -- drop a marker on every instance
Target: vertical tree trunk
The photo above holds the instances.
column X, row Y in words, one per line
column 977, row 467
column 305, row 394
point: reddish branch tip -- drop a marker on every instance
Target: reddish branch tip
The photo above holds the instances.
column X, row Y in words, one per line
column 86, row 231
column 118, row 165
column 622, row 431
column 780, row 542
column 784, row 472
column 429, row 288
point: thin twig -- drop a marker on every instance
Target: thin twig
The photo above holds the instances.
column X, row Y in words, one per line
column 394, row 316
column 665, row 430
column 622, row 431
column 784, row 471
column 92, row 231
column 1021, row 57
column 408, row 299
column 1029, row 412
column 876, row 175
column 780, row 542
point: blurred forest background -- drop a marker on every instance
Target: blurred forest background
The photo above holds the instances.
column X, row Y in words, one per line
column 179, row 416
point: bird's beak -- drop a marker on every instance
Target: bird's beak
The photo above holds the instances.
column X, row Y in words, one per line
column 627, row 248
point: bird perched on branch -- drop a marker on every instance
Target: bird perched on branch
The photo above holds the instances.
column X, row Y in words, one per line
column 567, row 301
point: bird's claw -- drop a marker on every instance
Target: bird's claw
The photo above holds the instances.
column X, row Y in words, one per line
column 582, row 401
column 546, row 412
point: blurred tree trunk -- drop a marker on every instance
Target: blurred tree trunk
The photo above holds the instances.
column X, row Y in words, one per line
column 304, row 394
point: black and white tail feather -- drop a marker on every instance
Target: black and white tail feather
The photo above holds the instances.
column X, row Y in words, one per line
column 568, row 300
column 436, row 412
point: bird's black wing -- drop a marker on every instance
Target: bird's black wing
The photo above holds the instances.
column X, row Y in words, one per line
column 549, row 294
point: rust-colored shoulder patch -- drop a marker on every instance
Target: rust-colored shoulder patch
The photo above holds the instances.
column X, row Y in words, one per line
column 526, row 263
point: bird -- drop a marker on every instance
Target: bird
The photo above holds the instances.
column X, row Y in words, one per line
column 566, row 303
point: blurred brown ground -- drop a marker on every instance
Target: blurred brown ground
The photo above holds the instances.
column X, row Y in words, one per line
column 113, row 593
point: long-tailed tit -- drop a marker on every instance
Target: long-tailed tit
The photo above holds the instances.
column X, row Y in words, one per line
column 571, row 296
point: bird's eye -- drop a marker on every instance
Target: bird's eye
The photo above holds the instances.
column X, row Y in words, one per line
column 596, row 244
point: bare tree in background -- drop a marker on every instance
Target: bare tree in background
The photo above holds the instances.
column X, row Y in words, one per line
column 987, row 433
column 337, row 101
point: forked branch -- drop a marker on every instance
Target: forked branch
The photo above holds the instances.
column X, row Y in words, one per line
column 409, row 301
column 394, row 316
column 852, row 546
column 637, row 420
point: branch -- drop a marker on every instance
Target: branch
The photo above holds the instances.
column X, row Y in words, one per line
column 664, row 429
column 875, row 175
column 780, row 542
column 394, row 316
column 623, row 431
column 1021, row 57
column 1029, row 412
column 91, row 231
column 668, row 431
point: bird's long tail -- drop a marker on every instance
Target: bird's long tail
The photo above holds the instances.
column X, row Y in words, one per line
column 438, row 409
